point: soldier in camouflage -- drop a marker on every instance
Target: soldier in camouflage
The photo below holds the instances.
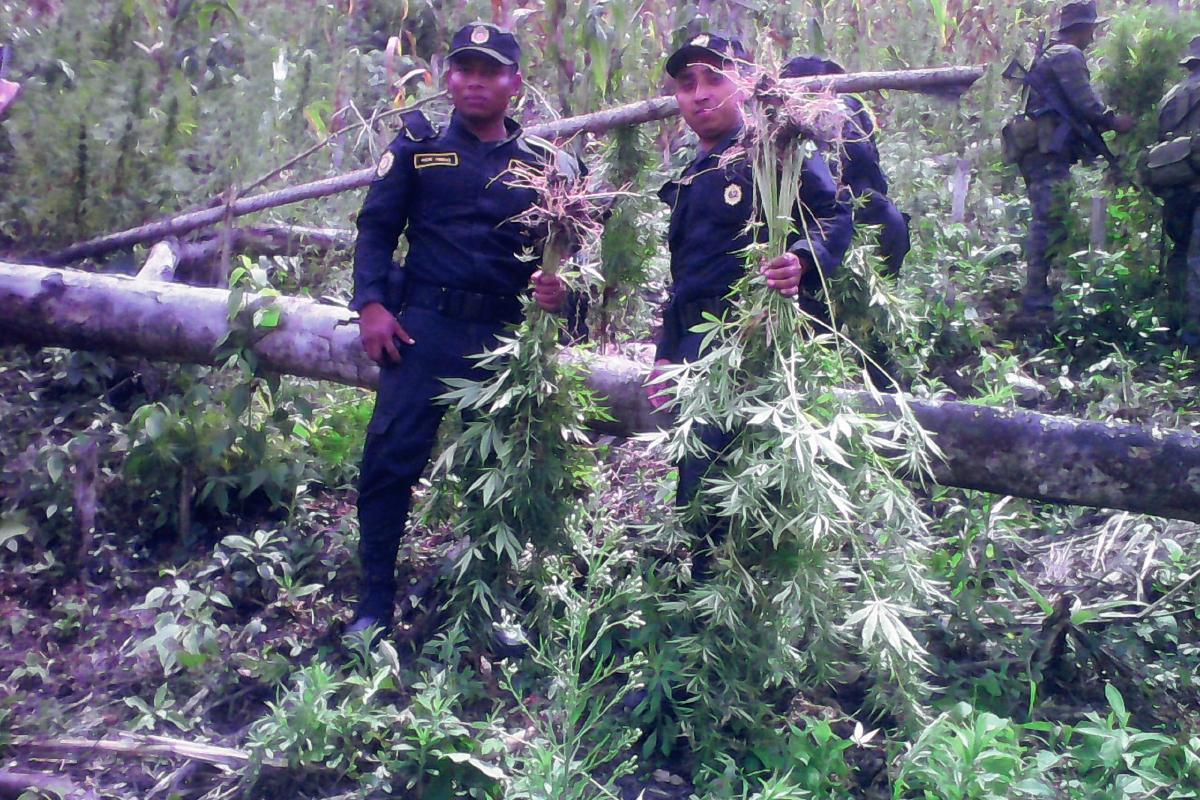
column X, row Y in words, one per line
column 1179, row 116
column 1046, row 167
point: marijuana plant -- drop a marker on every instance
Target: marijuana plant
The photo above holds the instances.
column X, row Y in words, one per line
column 822, row 537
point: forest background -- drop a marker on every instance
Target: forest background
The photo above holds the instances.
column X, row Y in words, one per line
column 177, row 540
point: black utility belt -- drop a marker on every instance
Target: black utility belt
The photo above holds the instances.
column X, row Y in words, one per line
column 462, row 305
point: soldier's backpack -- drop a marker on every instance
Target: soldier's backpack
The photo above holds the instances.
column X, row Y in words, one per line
column 1171, row 165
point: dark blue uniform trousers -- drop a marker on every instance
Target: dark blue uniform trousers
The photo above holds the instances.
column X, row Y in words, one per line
column 707, row 530
column 401, row 437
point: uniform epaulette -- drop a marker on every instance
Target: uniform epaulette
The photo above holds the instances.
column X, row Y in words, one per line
column 417, row 126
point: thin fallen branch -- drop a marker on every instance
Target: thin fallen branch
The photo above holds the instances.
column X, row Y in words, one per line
column 186, row 223
column 656, row 108
column 195, row 258
column 1184, row 582
column 146, row 747
column 18, row 784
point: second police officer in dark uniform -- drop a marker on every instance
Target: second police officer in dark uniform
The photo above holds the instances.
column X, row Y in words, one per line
column 711, row 204
column 858, row 170
column 459, row 287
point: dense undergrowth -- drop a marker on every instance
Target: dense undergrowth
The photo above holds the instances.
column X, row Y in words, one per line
column 177, row 541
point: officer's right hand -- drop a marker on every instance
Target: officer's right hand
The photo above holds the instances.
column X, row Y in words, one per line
column 378, row 331
column 1122, row 123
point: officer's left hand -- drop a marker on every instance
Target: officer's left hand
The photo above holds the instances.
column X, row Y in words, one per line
column 549, row 291
column 784, row 273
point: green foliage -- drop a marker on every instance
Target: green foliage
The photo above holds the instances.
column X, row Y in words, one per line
column 218, row 449
column 187, row 631
column 520, row 461
column 346, row 720
column 579, row 749
column 1140, row 62
column 963, row 755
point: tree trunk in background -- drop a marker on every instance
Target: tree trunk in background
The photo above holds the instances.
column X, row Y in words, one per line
column 1144, row 469
column 951, row 81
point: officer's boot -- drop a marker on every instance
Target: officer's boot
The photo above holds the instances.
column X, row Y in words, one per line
column 377, row 598
column 377, row 603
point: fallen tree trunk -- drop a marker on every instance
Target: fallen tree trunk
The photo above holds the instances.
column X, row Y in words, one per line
column 951, row 79
column 1138, row 468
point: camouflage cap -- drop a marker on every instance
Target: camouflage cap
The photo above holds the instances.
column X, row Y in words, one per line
column 1081, row 12
column 713, row 45
column 807, row 65
column 1192, row 59
column 490, row 40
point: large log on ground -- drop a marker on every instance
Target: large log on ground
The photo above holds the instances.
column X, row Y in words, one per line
column 1145, row 469
column 951, row 79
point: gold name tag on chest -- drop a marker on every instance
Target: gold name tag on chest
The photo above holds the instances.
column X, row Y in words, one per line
column 422, row 160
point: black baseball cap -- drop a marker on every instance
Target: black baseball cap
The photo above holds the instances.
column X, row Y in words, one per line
column 713, row 45
column 808, row 65
column 490, row 40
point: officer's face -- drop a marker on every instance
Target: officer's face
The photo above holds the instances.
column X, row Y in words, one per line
column 481, row 87
column 1081, row 36
column 710, row 102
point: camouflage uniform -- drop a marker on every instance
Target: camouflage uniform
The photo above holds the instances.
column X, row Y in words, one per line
column 1046, row 169
column 1179, row 115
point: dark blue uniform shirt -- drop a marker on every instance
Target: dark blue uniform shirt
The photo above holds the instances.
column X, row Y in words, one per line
column 860, row 154
column 449, row 194
column 710, row 206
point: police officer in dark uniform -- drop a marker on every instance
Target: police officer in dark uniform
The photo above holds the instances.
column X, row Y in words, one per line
column 858, row 167
column 711, row 204
column 1046, row 167
column 460, row 285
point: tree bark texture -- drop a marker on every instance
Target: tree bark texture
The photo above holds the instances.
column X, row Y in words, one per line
column 952, row 80
column 1138, row 468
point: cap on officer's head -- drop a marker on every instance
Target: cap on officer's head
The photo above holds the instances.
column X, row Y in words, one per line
column 1080, row 12
column 807, row 65
column 489, row 40
column 1192, row 59
column 727, row 51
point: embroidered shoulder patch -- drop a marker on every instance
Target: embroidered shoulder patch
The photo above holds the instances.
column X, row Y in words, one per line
column 386, row 161
column 422, row 160
column 733, row 194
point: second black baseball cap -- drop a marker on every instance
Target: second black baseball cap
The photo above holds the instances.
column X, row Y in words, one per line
column 490, row 40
